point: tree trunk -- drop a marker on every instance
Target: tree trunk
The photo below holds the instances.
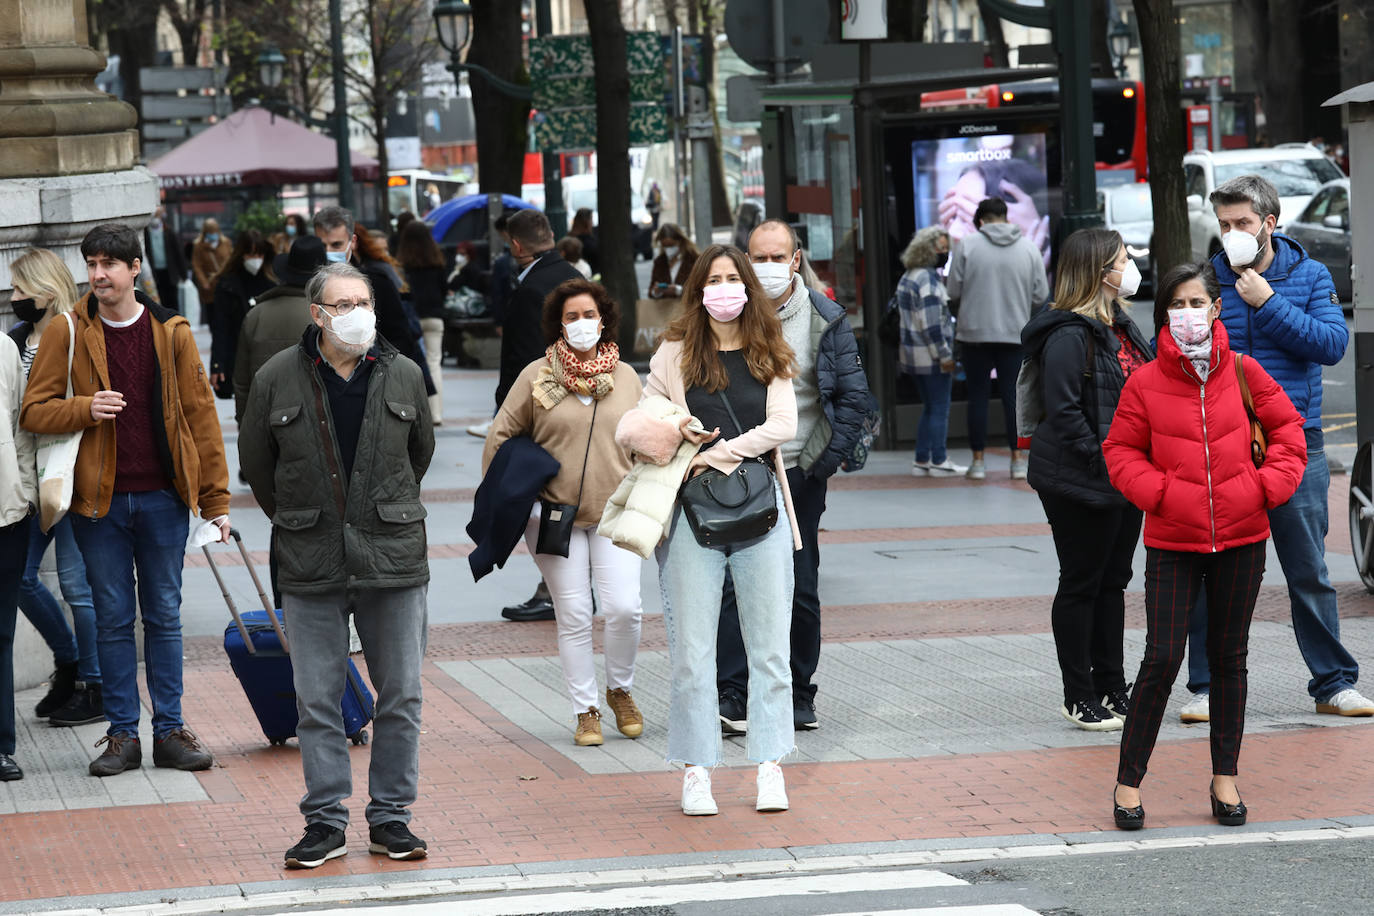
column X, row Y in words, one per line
column 501, row 121
column 711, row 12
column 607, row 33
column 1159, row 49
column 1281, row 94
column 906, row 20
column 997, row 39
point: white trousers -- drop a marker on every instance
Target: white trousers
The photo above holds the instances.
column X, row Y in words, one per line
column 592, row 560
column 433, row 332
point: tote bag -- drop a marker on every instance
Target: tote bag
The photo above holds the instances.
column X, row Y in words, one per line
column 57, row 457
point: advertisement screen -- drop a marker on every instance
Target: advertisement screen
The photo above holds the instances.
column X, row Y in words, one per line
column 951, row 175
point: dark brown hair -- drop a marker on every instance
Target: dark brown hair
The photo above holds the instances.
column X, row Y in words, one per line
column 249, row 242
column 417, row 247
column 554, row 302
column 766, row 352
column 1175, row 278
column 582, row 222
column 570, row 247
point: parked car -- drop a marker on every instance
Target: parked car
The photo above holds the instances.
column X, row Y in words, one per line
column 1297, row 170
column 580, row 191
column 1323, row 228
column 1127, row 208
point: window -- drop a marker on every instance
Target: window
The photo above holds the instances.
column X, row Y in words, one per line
column 1292, row 177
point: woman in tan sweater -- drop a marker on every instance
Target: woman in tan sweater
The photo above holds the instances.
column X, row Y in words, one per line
column 569, row 401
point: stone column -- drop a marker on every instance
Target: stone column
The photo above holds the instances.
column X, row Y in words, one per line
column 68, row 152
column 68, row 161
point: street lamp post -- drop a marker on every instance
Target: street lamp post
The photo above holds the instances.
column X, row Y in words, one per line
column 1120, row 41
column 341, row 106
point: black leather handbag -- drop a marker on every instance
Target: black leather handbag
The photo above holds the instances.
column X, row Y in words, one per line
column 728, row 508
column 556, row 519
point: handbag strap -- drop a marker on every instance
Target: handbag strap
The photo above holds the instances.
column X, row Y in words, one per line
column 731, row 411
column 1245, row 390
column 586, row 453
column 71, row 349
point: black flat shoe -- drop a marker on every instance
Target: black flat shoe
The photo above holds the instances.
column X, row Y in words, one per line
column 533, row 609
column 1127, row 818
column 1227, row 815
column 9, row 770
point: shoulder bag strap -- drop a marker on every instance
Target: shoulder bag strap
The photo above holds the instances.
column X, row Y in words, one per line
column 586, row 453
column 71, row 349
column 1245, row 390
column 730, row 410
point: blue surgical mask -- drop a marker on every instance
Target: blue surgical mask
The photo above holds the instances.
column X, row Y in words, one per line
column 339, row 257
column 212, row 238
column 290, row 230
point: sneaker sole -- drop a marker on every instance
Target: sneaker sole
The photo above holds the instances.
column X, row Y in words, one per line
column 1106, row 725
column 316, row 863
column 766, row 806
column 701, row 812
column 733, row 726
column 981, row 476
column 1193, row 718
column 1328, row 709
column 806, row 726
column 596, row 741
column 631, row 731
column 419, row 852
column 132, row 766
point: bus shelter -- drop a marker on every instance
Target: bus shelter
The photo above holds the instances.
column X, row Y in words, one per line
column 255, row 155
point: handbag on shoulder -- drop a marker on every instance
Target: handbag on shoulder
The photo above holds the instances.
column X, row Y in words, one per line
column 556, row 519
column 728, row 508
column 1258, row 443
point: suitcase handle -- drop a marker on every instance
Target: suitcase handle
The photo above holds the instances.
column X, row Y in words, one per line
column 228, row 599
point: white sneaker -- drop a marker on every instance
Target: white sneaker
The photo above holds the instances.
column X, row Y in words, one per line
column 976, row 470
column 772, row 793
column 696, row 792
column 947, row 468
column 1198, row 709
column 1018, row 468
column 920, row 468
column 480, row 430
column 1347, row 702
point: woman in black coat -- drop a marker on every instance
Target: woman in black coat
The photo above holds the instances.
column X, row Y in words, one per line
column 423, row 262
column 1086, row 347
column 245, row 276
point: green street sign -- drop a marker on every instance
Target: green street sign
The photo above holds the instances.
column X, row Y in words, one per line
column 562, row 76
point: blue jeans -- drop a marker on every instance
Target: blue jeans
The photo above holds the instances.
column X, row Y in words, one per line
column 690, row 578
column 42, row 609
column 14, row 545
column 979, row 361
column 143, row 534
column 933, row 428
column 1298, row 528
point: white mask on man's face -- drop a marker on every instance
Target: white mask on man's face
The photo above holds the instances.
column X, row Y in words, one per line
column 775, row 278
column 1242, row 248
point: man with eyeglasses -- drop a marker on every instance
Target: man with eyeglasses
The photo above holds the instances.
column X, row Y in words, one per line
column 334, row 442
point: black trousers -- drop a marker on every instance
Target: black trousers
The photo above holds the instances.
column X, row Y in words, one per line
column 1173, row 580
column 1095, row 547
column 732, row 667
column 166, row 288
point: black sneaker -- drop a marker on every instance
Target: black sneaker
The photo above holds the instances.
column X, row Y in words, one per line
column 1090, row 715
column 395, row 841
column 122, row 752
column 61, row 686
column 734, row 712
column 86, row 706
column 320, row 844
column 1118, row 702
column 181, row 750
column 804, row 715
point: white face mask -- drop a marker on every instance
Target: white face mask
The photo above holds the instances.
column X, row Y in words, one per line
column 583, row 334
column 1242, row 248
column 1190, row 326
column 1130, row 280
column 670, row 251
column 460, row 261
column 773, row 277
column 252, row 265
column 356, row 329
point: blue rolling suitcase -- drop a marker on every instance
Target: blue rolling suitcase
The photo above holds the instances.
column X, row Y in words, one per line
column 259, row 654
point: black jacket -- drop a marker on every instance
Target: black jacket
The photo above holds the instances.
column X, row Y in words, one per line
column 1066, row 450
column 428, row 289
column 522, row 335
column 502, row 504
column 232, row 296
column 392, row 323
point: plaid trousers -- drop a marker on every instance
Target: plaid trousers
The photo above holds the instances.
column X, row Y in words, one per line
column 1173, row 580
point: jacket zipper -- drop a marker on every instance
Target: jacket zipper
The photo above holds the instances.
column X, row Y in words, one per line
column 1207, row 457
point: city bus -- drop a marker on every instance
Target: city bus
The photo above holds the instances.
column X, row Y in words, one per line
column 1118, row 117
column 406, row 189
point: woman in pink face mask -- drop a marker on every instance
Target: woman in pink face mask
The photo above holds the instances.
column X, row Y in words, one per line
column 1180, row 449
column 727, row 345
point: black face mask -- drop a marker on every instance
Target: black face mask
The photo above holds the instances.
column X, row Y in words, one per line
column 27, row 310
column 941, row 259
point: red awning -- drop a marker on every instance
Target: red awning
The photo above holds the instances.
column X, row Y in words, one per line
column 253, row 146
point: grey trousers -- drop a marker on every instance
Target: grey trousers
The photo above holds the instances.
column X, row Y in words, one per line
column 393, row 627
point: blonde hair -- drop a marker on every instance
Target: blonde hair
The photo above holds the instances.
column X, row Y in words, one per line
column 1083, row 261
column 44, row 276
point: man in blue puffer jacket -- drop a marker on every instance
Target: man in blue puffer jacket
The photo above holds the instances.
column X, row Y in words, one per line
column 1280, row 307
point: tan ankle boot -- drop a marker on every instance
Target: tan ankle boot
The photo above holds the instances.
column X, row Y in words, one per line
column 588, row 728
column 627, row 717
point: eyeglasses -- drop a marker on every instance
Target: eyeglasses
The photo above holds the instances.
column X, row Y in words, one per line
column 344, row 306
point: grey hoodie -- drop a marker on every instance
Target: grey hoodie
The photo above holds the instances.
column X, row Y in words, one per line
column 997, row 276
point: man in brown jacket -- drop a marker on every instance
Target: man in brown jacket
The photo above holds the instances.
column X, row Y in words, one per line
column 150, row 448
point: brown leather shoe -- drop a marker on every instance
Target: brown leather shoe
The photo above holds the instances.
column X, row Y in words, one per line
column 627, row 716
column 588, row 728
column 181, row 750
column 122, row 752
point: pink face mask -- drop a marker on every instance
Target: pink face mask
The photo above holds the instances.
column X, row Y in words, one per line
column 724, row 301
column 1190, row 326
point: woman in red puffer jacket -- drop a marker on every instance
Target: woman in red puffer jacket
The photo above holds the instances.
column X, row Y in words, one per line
column 1180, row 450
